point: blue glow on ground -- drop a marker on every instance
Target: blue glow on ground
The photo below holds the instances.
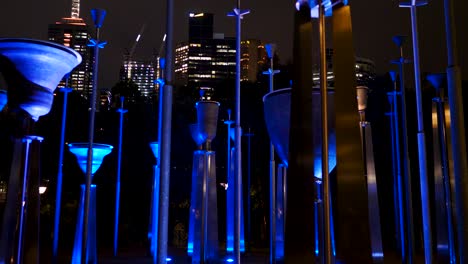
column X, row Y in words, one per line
column 229, row 260
column 168, row 259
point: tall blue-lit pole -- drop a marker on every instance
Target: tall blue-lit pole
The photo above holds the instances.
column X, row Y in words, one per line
column 121, row 112
column 271, row 48
column 424, row 185
column 58, row 200
column 249, row 135
column 238, row 13
column 229, row 192
column 457, row 133
column 405, row 171
column 98, row 16
column 164, row 136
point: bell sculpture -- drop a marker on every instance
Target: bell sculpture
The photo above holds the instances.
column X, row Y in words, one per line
column 277, row 108
column 203, row 219
column 32, row 70
column 369, row 171
column 443, row 172
column 80, row 150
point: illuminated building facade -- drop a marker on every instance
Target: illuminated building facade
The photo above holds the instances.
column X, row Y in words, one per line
column 142, row 73
column 207, row 58
column 74, row 33
column 365, row 70
column 253, row 58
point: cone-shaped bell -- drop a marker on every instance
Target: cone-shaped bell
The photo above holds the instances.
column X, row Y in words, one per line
column 233, row 133
column 98, row 16
column 270, row 49
column 362, row 92
column 207, row 116
column 155, row 148
column 32, row 70
column 393, row 75
column 3, row 99
column 399, row 40
column 81, row 152
column 436, row 79
column 197, row 137
column 277, row 108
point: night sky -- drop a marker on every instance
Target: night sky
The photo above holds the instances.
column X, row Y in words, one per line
column 374, row 23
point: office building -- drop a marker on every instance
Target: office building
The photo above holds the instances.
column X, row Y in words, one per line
column 142, row 73
column 253, row 59
column 207, row 58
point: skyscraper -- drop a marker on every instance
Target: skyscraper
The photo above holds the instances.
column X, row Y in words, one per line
column 74, row 33
column 253, row 58
column 141, row 73
column 207, row 58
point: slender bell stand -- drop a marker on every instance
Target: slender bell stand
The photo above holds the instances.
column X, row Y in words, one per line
column 80, row 150
column 203, row 225
column 153, row 223
column 32, row 70
column 369, row 169
column 443, row 198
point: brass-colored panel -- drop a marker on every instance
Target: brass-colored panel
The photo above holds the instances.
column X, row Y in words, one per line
column 352, row 237
column 299, row 229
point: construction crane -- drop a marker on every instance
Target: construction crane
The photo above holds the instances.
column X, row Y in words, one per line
column 129, row 54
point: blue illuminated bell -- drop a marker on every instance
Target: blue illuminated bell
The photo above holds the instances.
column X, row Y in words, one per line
column 155, row 148
column 32, row 70
column 81, row 152
column 196, row 136
column 3, row 99
column 98, row 16
column 437, row 80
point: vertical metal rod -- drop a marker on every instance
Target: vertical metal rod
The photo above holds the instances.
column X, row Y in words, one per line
column 204, row 209
column 272, row 181
column 446, row 177
column 165, row 118
column 23, row 200
column 238, row 159
column 121, row 111
column 396, row 206
column 249, row 136
column 424, row 185
column 406, row 173
column 326, row 183
column 229, row 217
column 58, row 199
column 89, row 163
column 460, row 167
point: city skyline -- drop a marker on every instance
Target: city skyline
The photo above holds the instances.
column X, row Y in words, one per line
column 373, row 28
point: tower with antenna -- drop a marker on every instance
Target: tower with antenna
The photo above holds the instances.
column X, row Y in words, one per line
column 73, row 32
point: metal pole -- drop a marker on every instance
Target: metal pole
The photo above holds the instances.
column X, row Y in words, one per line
column 58, row 199
column 238, row 13
column 457, row 133
column 405, row 175
column 249, row 136
column 98, row 17
column 28, row 141
column 271, row 72
column 121, row 111
column 425, row 202
column 229, row 216
column 165, row 118
column 324, row 96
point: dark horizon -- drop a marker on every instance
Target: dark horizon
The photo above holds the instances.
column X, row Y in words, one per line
column 271, row 23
